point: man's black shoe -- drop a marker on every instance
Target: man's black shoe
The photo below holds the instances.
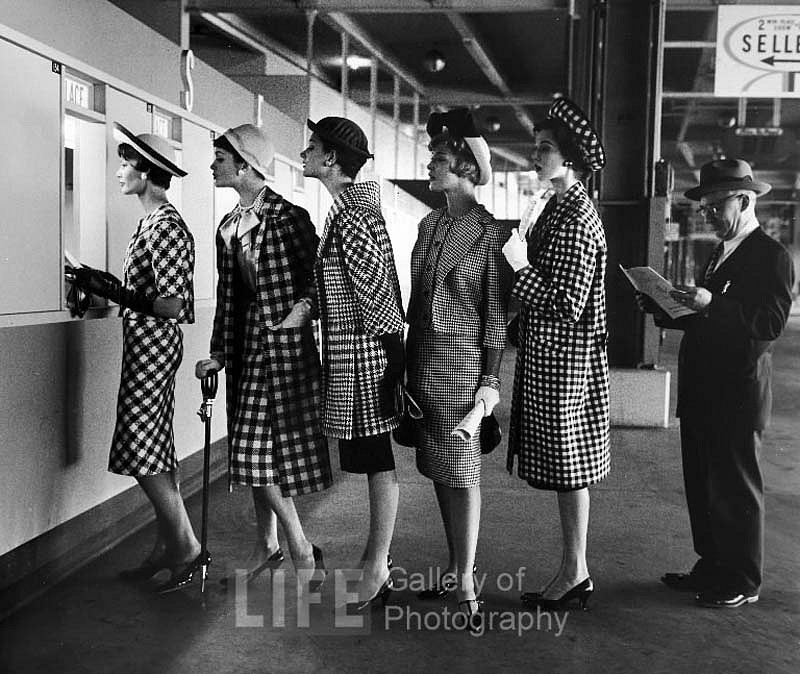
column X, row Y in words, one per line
column 726, row 599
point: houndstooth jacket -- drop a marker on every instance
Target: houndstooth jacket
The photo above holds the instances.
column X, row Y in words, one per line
column 359, row 300
column 559, row 413
column 286, row 242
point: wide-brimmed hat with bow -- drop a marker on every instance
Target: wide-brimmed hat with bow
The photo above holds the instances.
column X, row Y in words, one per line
column 586, row 139
column 722, row 175
column 459, row 123
column 155, row 149
column 343, row 134
column 252, row 145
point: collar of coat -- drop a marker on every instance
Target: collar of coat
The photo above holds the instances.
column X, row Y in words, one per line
column 365, row 196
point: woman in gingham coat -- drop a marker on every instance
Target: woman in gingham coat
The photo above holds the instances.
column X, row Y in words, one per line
column 457, row 334
column 264, row 339
column 155, row 295
column 559, row 410
column 362, row 323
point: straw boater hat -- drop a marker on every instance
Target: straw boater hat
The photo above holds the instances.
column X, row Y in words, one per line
column 584, row 135
column 722, row 175
column 155, row 149
column 459, row 123
column 252, row 145
column 343, row 134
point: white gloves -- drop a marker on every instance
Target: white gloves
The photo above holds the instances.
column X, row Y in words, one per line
column 489, row 397
column 516, row 250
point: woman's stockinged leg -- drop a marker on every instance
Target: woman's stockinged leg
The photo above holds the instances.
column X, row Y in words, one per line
column 465, row 513
column 444, row 499
column 270, row 498
column 181, row 544
column 384, row 493
column 266, row 542
column 573, row 507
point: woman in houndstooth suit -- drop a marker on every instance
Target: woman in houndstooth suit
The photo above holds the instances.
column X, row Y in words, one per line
column 559, row 411
column 362, row 323
column 263, row 337
column 154, row 297
column 457, row 334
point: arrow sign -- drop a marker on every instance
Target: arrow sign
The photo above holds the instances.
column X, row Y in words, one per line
column 771, row 60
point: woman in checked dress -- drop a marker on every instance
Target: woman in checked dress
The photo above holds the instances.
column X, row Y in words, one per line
column 559, row 410
column 263, row 338
column 155, row 295
column 456, row 338
column 362, row 323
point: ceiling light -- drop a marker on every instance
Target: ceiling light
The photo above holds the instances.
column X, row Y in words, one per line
column 354, row 62
column 493, row 124
column 434, row 61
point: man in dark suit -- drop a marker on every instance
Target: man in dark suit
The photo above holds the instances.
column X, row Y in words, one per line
column 725, row 385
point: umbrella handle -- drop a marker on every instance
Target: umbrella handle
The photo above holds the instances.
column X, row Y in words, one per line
column 208, row 386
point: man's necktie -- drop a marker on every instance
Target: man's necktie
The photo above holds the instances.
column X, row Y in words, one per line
column 712, row 262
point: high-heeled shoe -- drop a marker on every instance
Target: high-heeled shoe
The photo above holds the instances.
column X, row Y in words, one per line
column 319, row 568
column 474, row 620
column 382, row 594
column 443, row 587
column 184, row 575
column 146, row 571
column 272, row 562
column 582, row 591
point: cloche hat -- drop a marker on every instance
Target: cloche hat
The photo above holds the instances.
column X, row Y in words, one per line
column 343, row 134
column 252, row 145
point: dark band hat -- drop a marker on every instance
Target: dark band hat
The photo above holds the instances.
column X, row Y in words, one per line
column 459, row 123
column 343, row 134
column 252, row 145
column 586, row 139
column 155, row 149
column 726, row 174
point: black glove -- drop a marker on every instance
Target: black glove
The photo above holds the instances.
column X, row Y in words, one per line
column 104, row 284
column 396, row 355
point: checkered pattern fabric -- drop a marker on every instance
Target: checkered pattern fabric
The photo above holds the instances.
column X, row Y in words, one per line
column 559, row 412
column 160, row 261
column 359, row 300
column 143, row 441
column 586, row 137
column 443, row 374
column 455, row 277
column 273, row 401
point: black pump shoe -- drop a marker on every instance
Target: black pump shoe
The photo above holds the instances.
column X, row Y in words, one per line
column 185, row 574
column 474, row 619
column 442, row 588
column 272, row 562
column 381, row 595
column 582, row 591
column 319, row 568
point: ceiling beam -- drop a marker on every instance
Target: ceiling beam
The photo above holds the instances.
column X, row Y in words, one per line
column 378, row 6
column 450, row 97
column 519, row 160
column 480, row 54
column 344, row 23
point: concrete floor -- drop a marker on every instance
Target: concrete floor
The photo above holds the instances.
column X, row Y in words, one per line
column 639, row 529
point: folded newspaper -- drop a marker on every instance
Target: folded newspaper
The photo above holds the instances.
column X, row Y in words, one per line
column 648, row 281
column 469, row 424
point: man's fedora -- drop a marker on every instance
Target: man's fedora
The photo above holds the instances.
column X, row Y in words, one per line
column 721, row 175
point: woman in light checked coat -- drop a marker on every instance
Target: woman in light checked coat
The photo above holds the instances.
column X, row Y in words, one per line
column 155, row 296
column 559, row 411
column 362, row 323
column 457, row 334
column 264, row 339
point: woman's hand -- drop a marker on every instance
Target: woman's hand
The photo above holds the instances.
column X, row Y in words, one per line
column 205, row 367
column 489, row 397
column 515, row 251
column 296, row 318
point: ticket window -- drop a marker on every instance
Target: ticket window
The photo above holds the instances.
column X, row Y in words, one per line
column 83, row 210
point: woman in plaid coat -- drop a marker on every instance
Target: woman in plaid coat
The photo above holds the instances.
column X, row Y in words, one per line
column 155, row 296
column 456, row 338
column 362, row 323
column 263, row 337
column 559, row 411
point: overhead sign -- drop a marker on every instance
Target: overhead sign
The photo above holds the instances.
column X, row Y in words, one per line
column 758, row 51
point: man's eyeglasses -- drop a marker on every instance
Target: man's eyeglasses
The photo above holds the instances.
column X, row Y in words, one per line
column 712, row 210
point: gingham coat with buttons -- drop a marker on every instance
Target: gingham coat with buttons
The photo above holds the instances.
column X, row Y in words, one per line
column 159, row 261
column 559, row 413
column 286, row 243
column 359, row 300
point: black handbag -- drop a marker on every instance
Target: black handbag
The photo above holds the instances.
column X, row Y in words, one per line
column 407, row 433
column 491, row 435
